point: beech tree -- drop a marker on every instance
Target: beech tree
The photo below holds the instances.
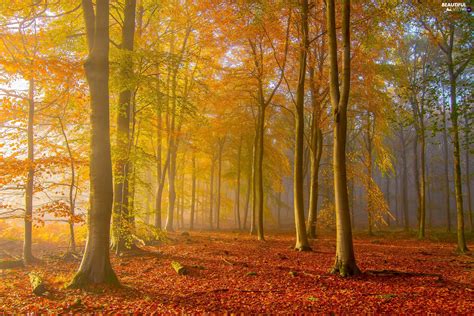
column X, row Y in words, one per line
column 345, row 263
column 95, row 265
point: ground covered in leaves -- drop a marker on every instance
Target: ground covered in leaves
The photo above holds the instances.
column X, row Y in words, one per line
column 232, row 272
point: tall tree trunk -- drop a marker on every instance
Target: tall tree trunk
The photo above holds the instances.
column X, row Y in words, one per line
column 370, row 207
column 387, row 190
column 345, row 263
column 247, row 198
column 253, row 224
column 258, row 183
column 219, row 182
column 422, row 196
column 468, row 175
column 171, row 185
column 95, row 266
column 302, row 243
column 29, row 189
column 446, row 172
column 316, row 153
column 397, row 213
column 193, row 194
column 462, row 246
column 72, row 190
column 406, row 216
column 211, row 191
column 416, row 173
column 121, row 170
column 237, row 192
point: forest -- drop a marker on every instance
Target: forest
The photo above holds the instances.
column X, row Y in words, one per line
column 236, row 157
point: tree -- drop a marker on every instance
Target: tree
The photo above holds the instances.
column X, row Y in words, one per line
column 302, row 243
column 345, row 263
column 452, row 38
column 123, row 141
column 95, row 265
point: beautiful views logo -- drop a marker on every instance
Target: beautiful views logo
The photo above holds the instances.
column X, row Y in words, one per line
column 456, row 6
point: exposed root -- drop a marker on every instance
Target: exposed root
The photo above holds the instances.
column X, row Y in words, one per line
column 402, row 273
column 345, row 269
column 300, row 247
column 84, row 278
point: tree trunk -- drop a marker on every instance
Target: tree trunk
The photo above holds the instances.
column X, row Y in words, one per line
column 345, row 263
column 422, row 196
column 446, row 172
column 416, row 173
column 121, row 172
column 211, row 190
column 29, row 189
column 219, row 182
column 462, row 247
column 387, row 190
column 468, row 175
column 302, row 243
column 370, row 208
column 95, row 266
column 406, row 217
column 72, row 191
column 253, row 228
column 193, row 194
column 316, row 153
column 237, row 192
column 258, row 197
column 247, row 198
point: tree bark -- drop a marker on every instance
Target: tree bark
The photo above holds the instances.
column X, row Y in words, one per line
column 72, row 190
column 95, row 266
column 237, row 192
column 446, row 172
column 247, row 198
column 121, row 173
column 406, row 217
column 193, row 194
column 302, row 243
column 468, row 175
column 211, row 191
column 219, row 182
column 29, row 188
column 345, row 263
column 462, row 246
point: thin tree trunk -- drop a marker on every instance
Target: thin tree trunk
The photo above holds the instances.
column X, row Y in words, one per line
column 370, row 208
column 219, row 182
column 72, row 195
column 237, row 192
column 387, row 190
column 253, row 228
column 29, row 189
column 316, row 153
column 462, row 246
column 345, row 263
column 446, row 172
column 406, row 217
column 258, row 183
column 422, row 197
column 247, row 198
column 121, row 172
column 193, row 194
column 302, row 243
column 468, row 175
column 211, row 190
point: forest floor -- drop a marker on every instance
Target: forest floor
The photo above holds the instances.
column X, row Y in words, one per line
column 234, row 273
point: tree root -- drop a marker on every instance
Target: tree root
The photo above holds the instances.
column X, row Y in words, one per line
column 403, row 273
